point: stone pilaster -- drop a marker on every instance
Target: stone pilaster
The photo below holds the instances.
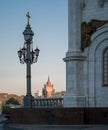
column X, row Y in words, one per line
column 74, row 59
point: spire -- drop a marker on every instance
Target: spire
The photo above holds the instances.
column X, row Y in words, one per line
column 28, row 33
column 49, row 82
column 48, row 78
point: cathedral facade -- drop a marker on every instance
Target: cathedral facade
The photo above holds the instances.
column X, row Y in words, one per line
column 87, row 55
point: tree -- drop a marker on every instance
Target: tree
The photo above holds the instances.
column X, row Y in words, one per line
column 12, row 101
column 9, row 104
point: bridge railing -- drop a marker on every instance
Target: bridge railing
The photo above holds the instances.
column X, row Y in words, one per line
column 47, row 102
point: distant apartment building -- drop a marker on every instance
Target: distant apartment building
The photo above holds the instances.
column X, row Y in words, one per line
column 48, row 91
column 59, row 94
column 38, row 94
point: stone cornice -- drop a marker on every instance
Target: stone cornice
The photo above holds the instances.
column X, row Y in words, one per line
column 70, row 58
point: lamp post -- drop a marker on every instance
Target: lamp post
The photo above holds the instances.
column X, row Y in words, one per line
column 29, row 56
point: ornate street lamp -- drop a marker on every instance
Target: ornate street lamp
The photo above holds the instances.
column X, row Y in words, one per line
column 29, row 56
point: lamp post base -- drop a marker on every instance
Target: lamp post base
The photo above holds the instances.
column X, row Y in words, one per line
column 28, row 101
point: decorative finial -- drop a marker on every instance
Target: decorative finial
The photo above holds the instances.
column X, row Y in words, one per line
column 28, row 18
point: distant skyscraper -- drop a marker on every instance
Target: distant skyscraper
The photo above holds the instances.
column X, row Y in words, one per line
column 48, row 89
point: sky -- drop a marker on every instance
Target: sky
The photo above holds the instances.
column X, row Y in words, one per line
column 49, row 22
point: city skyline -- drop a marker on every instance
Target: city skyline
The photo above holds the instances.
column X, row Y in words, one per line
column 49, row 22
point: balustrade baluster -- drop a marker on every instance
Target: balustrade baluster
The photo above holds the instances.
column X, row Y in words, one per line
column 47, row 102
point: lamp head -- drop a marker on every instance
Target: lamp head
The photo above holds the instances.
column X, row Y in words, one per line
column 20, row 54
column 37, row 52
column 28, row 33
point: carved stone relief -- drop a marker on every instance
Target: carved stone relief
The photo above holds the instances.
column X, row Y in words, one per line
column 83, row 3
column 87, row 29
column 101, row 3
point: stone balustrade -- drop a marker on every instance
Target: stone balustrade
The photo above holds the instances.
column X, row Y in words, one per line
column 47, row 102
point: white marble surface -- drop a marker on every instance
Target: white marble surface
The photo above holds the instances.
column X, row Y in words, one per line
column 84, row 69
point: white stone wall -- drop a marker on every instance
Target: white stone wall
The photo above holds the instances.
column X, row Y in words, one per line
column 92, row 10
column 84, row 72
column 97, row 93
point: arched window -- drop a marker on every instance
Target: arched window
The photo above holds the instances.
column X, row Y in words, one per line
column 105, row 68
